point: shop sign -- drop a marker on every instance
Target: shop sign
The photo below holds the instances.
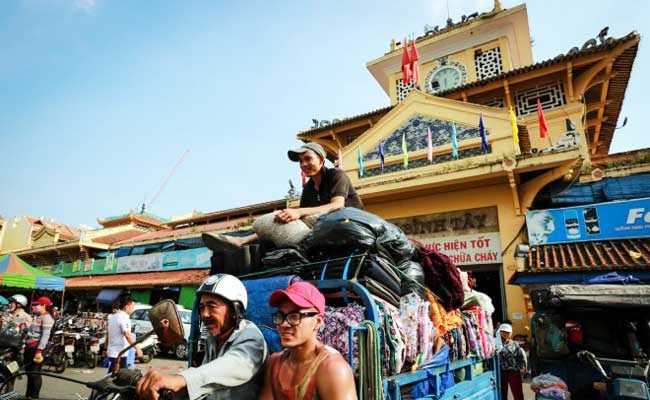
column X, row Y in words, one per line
column 183, row 259
column 615, row 220
column 58, row 268
column 108, row 265
column 454, row 223
column 143, row 263
column 468, row 249
column 88, row 264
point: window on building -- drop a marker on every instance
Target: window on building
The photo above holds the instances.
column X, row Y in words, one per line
column 488, row 63
column 403, row 90
column 549, row 95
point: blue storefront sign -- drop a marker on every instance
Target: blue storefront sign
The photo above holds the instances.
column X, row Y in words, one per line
column 615, row 220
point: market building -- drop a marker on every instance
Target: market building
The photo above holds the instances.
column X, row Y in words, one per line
column 152, row 258
column 465, row 194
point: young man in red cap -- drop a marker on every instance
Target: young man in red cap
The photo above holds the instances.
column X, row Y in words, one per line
column 306, row 369
column 327, row 190
column 35, row 342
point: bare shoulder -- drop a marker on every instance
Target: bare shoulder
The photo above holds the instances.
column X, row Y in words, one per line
column 335, row 379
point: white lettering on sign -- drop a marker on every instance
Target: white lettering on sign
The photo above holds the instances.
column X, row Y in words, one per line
column 468, row 249
column 636, row 213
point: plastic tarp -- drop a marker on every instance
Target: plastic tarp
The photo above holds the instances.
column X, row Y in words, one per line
column 15, row 272
column 627, row 296
column 108, row 295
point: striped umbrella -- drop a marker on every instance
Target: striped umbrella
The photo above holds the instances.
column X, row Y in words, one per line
column 15, row 272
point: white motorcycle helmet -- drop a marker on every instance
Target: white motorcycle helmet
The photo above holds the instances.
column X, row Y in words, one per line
column 229, row 288
column 19, row 299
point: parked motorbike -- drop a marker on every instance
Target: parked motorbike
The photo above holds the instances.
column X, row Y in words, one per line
column 11, row 343
column 149, row 348
column 54, row 354
column 628, row 379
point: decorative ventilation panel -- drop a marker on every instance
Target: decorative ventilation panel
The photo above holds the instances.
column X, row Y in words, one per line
column 488, row 63
column 403, row 90
column 550, row 96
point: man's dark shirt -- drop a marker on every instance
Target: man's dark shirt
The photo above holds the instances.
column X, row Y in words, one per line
column 334, row 182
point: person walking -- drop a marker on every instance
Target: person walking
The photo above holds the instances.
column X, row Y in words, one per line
column 35, row 342
column 513, row 364
column 118, row 333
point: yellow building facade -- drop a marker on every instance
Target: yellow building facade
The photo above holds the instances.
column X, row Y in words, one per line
column 467, row 200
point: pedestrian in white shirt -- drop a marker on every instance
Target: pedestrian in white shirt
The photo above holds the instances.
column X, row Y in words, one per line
column 118, row 333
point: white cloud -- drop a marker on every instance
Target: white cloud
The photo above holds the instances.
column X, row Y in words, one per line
column 85, row 5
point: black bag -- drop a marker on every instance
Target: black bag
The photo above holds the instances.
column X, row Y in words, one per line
column 414, row 276
column 284, row 257
column 348, row 229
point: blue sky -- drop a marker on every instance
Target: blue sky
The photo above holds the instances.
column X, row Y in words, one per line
column 100, row 98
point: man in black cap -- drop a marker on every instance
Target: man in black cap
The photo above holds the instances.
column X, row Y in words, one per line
column 328, row 189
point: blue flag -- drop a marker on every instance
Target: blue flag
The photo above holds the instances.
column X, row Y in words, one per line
column 381, row 156
column 484, row 142
column 360, row 161
column 454, row 141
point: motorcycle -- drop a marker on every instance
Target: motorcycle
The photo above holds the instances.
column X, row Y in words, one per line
column 54, row 354
column 149, row 348
column 628, row 379
column 11, row 343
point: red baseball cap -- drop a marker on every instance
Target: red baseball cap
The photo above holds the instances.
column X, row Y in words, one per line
column 42, row 301
column 302, row 294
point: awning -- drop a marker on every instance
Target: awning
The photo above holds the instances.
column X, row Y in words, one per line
column 141, row 279
column 603, row 255
column 526, row 278
column 108, row 295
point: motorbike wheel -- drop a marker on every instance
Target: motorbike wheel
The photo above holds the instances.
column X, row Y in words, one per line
column 91, row 360
column 59, row 361
column 146, row 358
column 180, row 350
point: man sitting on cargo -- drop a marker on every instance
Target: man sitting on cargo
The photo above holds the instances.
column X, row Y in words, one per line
column 306, row 368
column 328, row 189
column 234, row 354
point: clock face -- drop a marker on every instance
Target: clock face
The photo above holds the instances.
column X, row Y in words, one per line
column 445, row 78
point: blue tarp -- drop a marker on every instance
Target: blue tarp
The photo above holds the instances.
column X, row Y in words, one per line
column 108, row 295
column 428, row 386
column 569, row 277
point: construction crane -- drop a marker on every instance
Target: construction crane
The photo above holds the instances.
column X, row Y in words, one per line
column 164, row 183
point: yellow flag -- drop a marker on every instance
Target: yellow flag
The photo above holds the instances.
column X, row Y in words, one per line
column 515, row 130
column 405, row 151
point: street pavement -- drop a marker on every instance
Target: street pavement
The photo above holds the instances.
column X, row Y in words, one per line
column 57, row 389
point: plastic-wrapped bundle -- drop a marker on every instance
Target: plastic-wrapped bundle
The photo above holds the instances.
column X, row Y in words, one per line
column 414, row 276
column 349, row 229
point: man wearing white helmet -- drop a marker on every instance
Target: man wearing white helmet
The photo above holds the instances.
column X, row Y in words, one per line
column 234, row 354
column 17, row 313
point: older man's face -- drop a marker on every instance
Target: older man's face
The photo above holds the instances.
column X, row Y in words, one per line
column 215, row 314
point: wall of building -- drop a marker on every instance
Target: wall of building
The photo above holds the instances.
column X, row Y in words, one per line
column 16, row 235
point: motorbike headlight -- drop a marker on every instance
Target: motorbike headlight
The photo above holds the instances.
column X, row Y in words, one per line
column 631, row 388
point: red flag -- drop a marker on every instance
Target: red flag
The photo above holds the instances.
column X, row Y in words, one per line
column 406, row 64
column 543, row 128
column 415, row 68
column 304, row 178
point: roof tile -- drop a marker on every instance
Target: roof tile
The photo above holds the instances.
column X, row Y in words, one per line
column 593, row 255
column 187, row 277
